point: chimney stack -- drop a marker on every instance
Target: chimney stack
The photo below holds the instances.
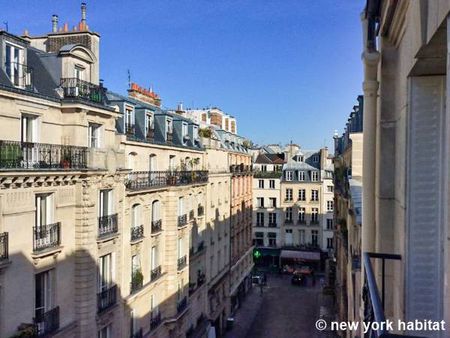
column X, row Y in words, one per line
column 54, row 23
column 83, row 15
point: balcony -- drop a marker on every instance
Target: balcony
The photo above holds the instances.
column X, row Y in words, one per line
column 15, row 155
column 79, row 89
column 182, row 220
column 20, row 75
column 288, row 221
column 142, row 180
column 4, row 246
column 107, row 225
column 267, row 174
column 155, row 273
column 137, row 334
column 272, row 224
column 130, row 129
column 200, row 211
column 47, row 322
column 137, row 232
column 182, row 305
column 150, row 136
column 373, row 304
column 156, row 226
column 182, row 262
column 241, row 169
column 137, row 281
column 106, row 298
column 155, row 320
column 169, row 138
column 314, row 222
column 301, row 222
column 46, row 236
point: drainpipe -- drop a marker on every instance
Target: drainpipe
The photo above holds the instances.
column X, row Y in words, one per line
column 371, row 58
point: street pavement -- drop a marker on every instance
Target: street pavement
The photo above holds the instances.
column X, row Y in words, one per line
column 282, row 311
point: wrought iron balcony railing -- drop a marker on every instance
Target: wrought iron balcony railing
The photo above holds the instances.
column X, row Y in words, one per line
column 241, row 169
column 106, row 298
column 267, row 174
column 260, row 224
column 156, row 226
column 301, row 221
column 182, row 262
column 141, row 180
column 288, row 221
column 130, row 129
column 107, row 225
column 47, row 322
column 150, row 136
column 182, row 305
column 155, row 273
column 4, row 251
column 76, row 88
column 155, row 319
column 169, row 138
column 31, row 155
column 20, row 74
column 137, row 232
column 182, row 220
column 314, row 222
column 137, row 281
column 46, row 236
column 272, row 224
column 373, row 304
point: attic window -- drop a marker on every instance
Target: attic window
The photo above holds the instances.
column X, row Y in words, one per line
column 15, row 68
column 78, row 73
column 315, row 158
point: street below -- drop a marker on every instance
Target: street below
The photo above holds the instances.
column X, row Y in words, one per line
column 283, row 310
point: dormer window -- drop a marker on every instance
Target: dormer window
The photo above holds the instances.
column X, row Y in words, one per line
column 78, row 73
column 129, row 121
column 149, row 125
column 301, row 175
column 315, row 158
column 289, row 175
column 15, row 67
column 169, row 131
column 184, row 132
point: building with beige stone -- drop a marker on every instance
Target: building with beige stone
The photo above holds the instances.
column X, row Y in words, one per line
column 103, row 200
column 348, row 213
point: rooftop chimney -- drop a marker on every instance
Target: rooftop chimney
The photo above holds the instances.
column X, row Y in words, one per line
column 83, row 15
column 54, row 23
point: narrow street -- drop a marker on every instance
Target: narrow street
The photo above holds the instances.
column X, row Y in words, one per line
column 283, row 311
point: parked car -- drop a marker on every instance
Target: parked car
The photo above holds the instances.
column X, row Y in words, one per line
column 258, row 278
column 297, row 279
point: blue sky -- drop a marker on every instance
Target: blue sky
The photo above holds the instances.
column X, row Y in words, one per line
column 286, row 69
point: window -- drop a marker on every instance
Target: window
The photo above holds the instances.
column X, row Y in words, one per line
column 169, row 126
column 180, row 247
column 136, row 215
column 272, row 219
column 288, row 194
column 314, row 195
column 133, row 324
column 105, row 203
column 272, row 184
column 44, row 297
column 154, row 306
column 259, row 238
column 272, row 238
column 273, row 202
column 315, row 158
column 94, row 135
column 330, row 205
column 78, row 73
column 156, row 211
column 29, row 128
column 314, row 176
column 260, row 219
column 180, row 206
column 301, row 215
column 44, row 210
column 14, row 63
column 288, row 215
column 329, row 243
column 260, row 202
column 330, row 188
column 329, row 224
column 301, row 175
column 302, row 236
column 264, row 168
column 105, row 277
column 314, row 215
column 149, row 126
column 302, row 195
column 261, row 184
column 314, row 237
column 104, row 332
column 289, row 175
column 288, row 237
column 154, row 257
column 129, row 119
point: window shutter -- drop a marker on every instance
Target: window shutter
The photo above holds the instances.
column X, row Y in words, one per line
column 425, row 197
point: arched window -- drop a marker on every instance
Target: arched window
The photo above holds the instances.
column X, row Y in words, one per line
column 132, row 161
column 136, row 215
column 156, row 211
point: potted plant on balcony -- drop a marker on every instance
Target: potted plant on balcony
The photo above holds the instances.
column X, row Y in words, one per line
column 172, row 176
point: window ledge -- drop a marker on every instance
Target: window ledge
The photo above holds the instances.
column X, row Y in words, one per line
column 46, row 252
column 107, row 238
